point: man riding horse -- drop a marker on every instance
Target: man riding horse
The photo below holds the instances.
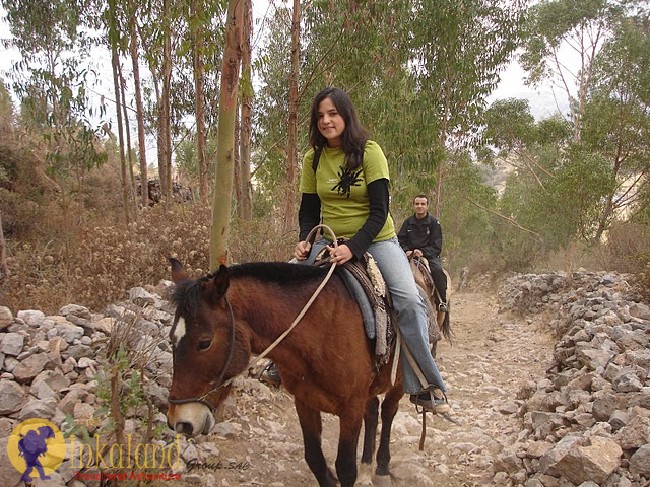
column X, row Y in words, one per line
column 421, row 236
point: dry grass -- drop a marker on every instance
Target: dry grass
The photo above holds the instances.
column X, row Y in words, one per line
column 94, row 265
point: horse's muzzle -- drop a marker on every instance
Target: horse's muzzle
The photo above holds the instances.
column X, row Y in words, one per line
column 190, row 419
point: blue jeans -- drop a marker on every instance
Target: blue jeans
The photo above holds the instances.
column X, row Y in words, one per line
column 409, row 306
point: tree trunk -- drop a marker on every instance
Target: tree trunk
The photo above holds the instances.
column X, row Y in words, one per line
column 237, row 165
column 4, row 268
column 144, row 200
column 197, row 55
column 223, row 181
column 245, row 198
column 129, row 153
column 442, row 141
column 290, row 217
column 164, row 110
column 118, row 109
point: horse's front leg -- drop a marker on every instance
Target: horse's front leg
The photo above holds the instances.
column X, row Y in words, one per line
column 370, row 421
column 388, row 411
column 312, row 427
column 349, row 430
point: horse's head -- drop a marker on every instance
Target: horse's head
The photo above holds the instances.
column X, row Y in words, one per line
column 206, row 349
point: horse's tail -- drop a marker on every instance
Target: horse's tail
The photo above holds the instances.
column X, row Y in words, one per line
column 445, row 326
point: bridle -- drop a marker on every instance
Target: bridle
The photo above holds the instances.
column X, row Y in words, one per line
column 220, row 382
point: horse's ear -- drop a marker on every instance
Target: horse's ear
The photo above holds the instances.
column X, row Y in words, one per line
column 221, row 280
column 178, row 271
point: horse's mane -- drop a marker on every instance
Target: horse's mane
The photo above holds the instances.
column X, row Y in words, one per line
column 278, row 272
column 187, row 293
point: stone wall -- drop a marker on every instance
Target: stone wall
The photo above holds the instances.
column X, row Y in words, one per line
column 588, row 421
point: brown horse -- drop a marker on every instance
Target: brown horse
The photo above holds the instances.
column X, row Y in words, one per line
column 326, row 362
column 423, row 279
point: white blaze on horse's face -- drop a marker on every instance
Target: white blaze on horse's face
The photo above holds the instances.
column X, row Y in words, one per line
column 180, row 331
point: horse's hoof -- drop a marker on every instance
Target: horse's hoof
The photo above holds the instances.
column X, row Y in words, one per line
column 364, row 476
column 383, row 481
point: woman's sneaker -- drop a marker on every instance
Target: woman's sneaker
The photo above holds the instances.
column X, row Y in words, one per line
column 433, row 400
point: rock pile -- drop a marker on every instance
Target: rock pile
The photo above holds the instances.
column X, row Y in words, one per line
column 180, row 193
column 588, row 422
column 55, row 368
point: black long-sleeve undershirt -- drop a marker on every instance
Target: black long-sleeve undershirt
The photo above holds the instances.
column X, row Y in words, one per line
column 378, row 197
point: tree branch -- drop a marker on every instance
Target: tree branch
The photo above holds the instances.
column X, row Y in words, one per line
column 506, row 218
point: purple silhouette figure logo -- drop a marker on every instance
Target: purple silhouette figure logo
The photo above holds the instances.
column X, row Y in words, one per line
column 31, row 447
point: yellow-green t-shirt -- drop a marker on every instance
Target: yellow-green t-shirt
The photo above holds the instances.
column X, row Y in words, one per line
column 345, row 206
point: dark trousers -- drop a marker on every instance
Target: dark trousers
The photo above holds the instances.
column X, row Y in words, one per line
column 439, row 278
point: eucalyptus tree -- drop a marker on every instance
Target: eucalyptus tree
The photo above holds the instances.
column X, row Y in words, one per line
column 132, row 12
column 116, row 44
column 458, row 49
column 244, row 187
column 557, row 185
column 609, row 103
column 159, row 23
column 561, row 42
column 6, row 111
column 617, row 117
column 225, row 156
column 196, row 31
column 54, row 38
column 326, row 54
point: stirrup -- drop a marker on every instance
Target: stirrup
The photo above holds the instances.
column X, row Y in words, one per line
column 270, row 375
column 439, row 403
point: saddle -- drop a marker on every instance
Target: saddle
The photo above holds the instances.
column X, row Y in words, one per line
column 366, row 284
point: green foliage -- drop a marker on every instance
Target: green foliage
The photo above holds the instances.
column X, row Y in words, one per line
column 551, row 23
column 51, row 81
column 509, row 125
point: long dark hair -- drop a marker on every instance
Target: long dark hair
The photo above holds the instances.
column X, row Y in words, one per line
column 354, row 137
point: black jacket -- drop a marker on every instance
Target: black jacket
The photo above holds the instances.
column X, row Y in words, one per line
column 424, row 234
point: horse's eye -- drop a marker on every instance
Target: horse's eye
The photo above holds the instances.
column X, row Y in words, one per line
column 204, row 344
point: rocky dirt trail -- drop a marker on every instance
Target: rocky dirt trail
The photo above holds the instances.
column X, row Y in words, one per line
column 492, row 359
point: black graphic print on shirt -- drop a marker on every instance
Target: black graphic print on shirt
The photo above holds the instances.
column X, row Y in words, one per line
column 348, row 179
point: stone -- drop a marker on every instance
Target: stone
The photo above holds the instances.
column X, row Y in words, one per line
column 6, row 317
column 69, row 331
column 594, row 460
column 31, row 317
column 605, row 403
column 640, row 461
column 38, row 408
column 76, row 310
column 619, row 419
column 41, row 390
column 537, row 449
column 12, row 344
column 141, row 297
column 9, row 476
column 82, row 412
column 550, row 459
column 54, row 379
column 12, row 396
column 592, row 358
column 31, row 367
column 627, row 382
column 104, row 325
column 635, row 434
